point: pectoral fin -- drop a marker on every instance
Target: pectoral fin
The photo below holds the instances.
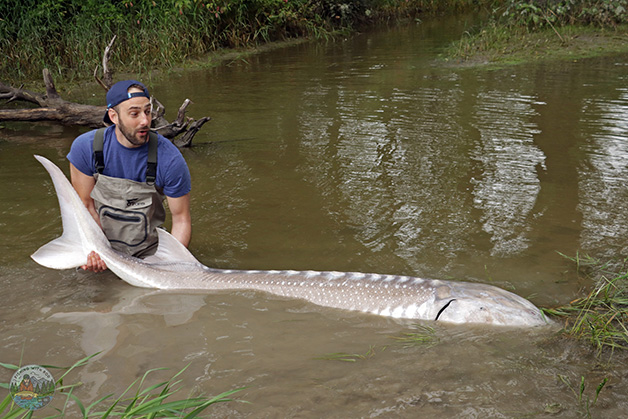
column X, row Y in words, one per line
column 60, row 253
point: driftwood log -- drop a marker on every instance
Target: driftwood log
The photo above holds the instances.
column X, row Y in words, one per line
column 50, row 106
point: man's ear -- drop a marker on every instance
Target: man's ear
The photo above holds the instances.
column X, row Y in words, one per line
column 113, row 115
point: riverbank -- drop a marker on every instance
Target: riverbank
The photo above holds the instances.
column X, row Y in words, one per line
column 156, row 38
column 69, row 37
column 600, row 317
column 496, row 45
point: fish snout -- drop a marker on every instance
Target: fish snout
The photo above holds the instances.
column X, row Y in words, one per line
column 489, row 312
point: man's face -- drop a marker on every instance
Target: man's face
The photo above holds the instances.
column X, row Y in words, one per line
column 132, row 119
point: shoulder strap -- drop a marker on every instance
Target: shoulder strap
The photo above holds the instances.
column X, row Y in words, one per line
column 151, row 165
column 99, row 158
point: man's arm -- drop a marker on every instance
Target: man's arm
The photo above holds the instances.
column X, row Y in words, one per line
column 83, row 185
column 181, row 218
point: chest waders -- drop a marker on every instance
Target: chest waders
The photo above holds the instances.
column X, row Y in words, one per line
column 129, row 211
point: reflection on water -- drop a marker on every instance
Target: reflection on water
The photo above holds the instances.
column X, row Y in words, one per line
column 507, row 184
column 391, row 161
column 106, row 328
column 604, row 186
column 356, row 155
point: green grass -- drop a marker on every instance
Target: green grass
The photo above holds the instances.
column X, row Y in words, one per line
column 349, row 357
column 498, row 45
column 585, row 402
column 521, row 31
column 69, row 36
column 137, row 401
column 600, row 317
column 422, row 336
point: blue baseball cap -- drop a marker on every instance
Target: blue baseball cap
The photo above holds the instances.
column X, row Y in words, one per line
column 119, row 92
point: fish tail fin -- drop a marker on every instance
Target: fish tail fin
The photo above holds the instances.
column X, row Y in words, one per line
column 60, row 253
column 69, row 250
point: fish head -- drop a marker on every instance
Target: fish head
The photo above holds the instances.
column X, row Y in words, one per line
column 490, row 305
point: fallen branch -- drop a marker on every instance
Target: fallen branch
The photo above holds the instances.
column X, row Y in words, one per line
column 186, row 139
column 51, row 107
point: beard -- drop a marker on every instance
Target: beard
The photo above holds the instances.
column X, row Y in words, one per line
column 136, row 137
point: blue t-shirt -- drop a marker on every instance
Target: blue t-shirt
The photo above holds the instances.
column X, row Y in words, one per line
column 173, row 175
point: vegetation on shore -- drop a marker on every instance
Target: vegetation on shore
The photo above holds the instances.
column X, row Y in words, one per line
column 519, row 31
column 69, row 36
column 137, row 401
column 601, row 317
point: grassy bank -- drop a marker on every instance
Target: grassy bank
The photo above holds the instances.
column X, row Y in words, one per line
column 69, row 36
column 601, row 317
column 523, row 31
column 496, row 45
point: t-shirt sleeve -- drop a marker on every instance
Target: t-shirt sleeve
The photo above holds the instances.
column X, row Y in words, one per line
column 177, row 179
column 80, row 154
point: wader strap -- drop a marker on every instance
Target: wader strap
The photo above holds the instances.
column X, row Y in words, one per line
column 99, row 158
column 151, row 164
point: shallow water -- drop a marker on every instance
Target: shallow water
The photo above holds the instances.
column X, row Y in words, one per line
column 363, row 154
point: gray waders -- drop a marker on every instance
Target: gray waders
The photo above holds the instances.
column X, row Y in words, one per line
column 129, row 211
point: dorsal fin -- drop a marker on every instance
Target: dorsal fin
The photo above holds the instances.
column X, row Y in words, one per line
column 170, row 250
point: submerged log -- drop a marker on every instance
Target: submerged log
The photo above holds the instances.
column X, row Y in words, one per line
column 50, row 106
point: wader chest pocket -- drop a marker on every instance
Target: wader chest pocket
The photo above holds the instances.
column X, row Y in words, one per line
column 125, row 227
column 129, row 213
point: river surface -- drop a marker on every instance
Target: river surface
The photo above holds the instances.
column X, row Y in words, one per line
column 361, row 154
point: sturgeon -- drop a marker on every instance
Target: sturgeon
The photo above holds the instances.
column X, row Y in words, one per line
column 173, row 267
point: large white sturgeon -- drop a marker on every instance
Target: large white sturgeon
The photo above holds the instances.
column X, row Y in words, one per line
column 174, row 267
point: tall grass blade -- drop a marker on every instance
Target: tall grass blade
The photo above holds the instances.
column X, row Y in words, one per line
column 6, row 402
column 9, row 366
column 600, row 317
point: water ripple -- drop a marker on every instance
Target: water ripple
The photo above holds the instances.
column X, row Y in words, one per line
column 507, row 185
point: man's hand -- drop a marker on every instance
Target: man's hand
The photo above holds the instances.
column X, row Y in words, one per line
column 94, row 263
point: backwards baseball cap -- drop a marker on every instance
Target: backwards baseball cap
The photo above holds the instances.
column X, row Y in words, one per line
column 119, row 92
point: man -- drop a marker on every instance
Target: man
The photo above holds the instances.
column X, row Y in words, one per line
column 113, row 170
column 27, row 385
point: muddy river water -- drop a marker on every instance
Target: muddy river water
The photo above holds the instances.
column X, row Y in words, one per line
column 361, row 154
